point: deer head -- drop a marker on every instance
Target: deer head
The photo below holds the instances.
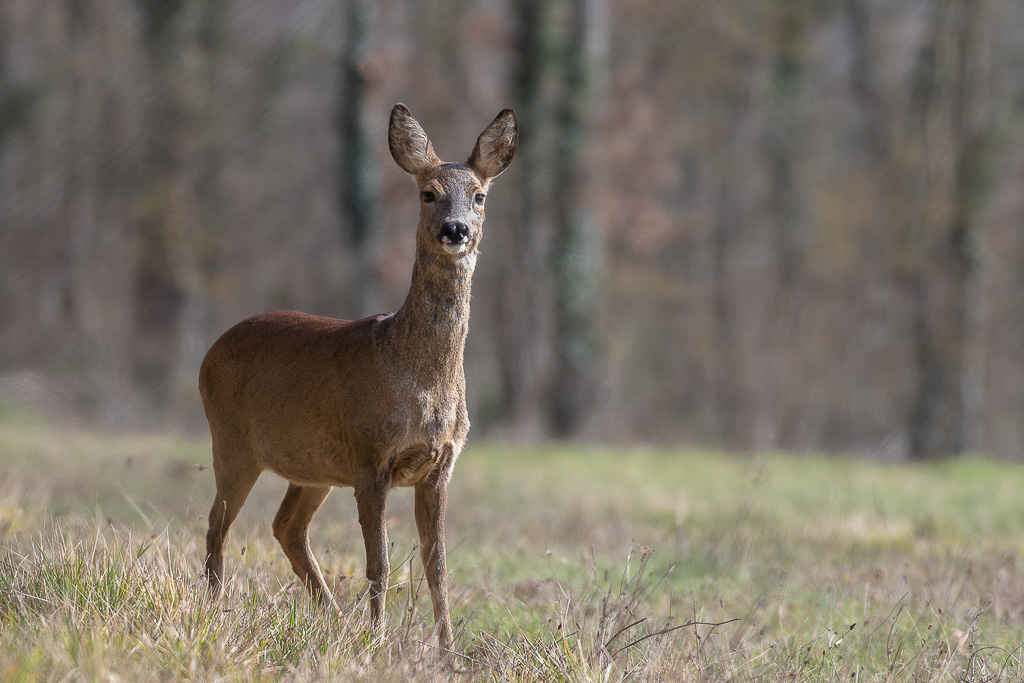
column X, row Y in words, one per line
column 452, row 195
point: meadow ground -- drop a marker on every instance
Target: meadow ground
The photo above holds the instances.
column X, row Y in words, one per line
column 567, row 562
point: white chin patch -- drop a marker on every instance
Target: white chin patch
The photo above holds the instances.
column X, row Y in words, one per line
column 456, row 249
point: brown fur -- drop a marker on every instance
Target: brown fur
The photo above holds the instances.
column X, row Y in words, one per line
column 372, row 403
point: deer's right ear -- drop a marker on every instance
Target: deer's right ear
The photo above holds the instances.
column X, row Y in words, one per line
column 409, row 145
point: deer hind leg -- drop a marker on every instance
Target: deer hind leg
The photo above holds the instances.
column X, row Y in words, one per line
column 431, row 499
column 233, row 485
column 370, row 503
column 291, row 529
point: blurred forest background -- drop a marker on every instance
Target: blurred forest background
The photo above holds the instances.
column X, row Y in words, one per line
column 758, row 224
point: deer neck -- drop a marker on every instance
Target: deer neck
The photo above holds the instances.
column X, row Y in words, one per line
column 434, row 320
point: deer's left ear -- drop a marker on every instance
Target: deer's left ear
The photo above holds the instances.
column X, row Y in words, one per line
column 496, row 145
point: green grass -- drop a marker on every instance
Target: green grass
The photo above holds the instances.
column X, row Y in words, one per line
column 567, row 563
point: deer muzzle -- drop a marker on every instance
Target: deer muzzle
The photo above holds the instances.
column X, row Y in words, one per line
column 454, row 235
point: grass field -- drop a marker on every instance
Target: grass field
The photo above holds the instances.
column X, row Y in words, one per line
column 567, row 563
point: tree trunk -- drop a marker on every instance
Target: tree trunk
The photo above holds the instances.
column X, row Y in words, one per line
column 195, row 259
column 525, row 244
column 357, row 195
column 158, row 293
column 732, row 416
column 939, row 307
column 941, row 294
column 782, row 138
column 576, row 249
column 932, row 247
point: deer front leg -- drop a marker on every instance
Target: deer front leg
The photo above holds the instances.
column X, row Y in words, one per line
column 370, row 503
column 431, row 499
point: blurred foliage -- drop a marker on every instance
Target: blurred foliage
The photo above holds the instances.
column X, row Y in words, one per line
column 786, row 223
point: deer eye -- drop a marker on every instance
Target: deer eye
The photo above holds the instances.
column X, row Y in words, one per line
column 479, row 198
column 428, row 197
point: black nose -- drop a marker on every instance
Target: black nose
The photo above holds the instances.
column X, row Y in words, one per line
column 454, row 232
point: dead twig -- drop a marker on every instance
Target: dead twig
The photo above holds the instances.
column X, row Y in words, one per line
column 663, row 631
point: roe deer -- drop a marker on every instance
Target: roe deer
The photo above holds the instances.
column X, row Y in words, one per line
column 373, row 403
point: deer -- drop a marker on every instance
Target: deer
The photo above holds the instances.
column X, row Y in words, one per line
column 372, row 404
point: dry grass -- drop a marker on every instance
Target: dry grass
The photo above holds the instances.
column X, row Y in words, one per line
column 567, row 563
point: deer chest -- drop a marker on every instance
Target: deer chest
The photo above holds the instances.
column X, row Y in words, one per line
column 436, row 417
column 432, row 429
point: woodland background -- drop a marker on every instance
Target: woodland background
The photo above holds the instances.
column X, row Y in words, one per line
column 771, row 224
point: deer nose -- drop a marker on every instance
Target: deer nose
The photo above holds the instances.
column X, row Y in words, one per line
column 454, row 232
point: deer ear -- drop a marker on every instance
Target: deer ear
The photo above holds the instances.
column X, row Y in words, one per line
column 496, row 145
column 409, row 145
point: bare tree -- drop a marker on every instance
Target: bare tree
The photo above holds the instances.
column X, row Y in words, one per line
column 577, row 249
column 935, row 150
column 525, row 276
column 159, row 294
column 357, row 195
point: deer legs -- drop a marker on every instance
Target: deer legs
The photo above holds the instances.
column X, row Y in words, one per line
column 291, row 529
column 431, row 498
column 370, row 504
column 232, row 489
